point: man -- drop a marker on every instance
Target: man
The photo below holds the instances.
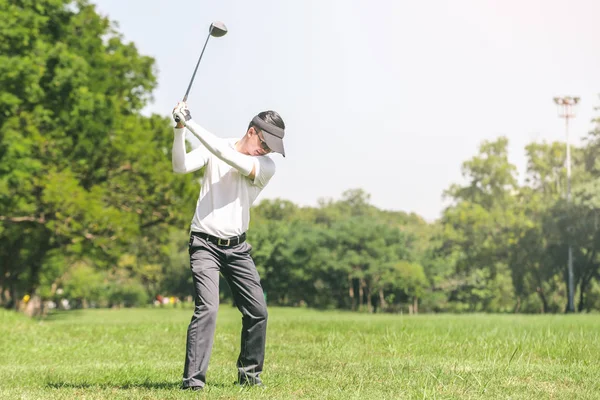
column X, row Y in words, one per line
column 236, row 172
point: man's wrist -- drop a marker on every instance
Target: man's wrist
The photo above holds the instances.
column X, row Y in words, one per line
column 179, row 125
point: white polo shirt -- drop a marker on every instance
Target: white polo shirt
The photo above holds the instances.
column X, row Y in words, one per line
column 223, row 207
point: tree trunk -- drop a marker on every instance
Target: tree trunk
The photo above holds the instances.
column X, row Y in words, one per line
column 10, row 274
column 2, row 291
column 582, row 288
column 4, row 296
column 382, row 303
column 361, row 294
column 587, row 274
column 416, row 305
column 14, row 299
column 33, row 307
column 543, row 299
column 368, row 296
column 351, row 293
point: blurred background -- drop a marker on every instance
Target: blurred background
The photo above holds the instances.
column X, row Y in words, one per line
column 441, row 156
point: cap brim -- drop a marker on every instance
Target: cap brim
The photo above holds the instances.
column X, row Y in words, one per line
column 275, row 143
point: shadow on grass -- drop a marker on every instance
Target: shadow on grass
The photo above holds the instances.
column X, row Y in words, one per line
column 59, row 315
column 109, row 385
column 124, row 386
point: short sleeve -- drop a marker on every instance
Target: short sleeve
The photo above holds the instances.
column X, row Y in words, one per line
column 265, row 169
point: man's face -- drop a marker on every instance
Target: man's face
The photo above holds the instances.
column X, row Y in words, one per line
column 257, row 141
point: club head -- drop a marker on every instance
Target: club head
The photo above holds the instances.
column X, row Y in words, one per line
column 217, row 29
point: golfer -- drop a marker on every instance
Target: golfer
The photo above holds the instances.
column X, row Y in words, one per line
column 235, row 173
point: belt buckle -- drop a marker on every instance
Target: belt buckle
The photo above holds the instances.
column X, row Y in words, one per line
column 222, row 242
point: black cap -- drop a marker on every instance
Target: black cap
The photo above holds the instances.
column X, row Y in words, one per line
column 272, row 133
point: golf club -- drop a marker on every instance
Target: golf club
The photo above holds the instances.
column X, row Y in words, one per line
column 217, row 29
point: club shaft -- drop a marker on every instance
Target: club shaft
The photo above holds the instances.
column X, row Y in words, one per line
column 196, row 69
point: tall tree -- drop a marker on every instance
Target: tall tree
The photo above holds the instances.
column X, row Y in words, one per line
column 585, row 229
column 82, row 173
column 478, row 229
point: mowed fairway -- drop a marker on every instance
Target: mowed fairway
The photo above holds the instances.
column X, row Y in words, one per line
column 139, row 353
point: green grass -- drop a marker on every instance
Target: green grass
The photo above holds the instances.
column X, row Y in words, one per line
column 139, row 354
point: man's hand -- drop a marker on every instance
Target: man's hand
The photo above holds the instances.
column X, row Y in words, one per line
column 181, row 114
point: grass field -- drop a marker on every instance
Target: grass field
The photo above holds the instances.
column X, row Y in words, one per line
column 139, row 353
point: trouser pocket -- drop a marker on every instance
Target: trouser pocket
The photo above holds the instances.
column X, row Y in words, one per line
column 190, row 244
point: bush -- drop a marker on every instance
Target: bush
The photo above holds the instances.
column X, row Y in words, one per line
column 83, row 284
column 127, row 294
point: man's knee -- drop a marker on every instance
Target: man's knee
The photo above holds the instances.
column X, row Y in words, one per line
column 264, row 312
column 255, row 312
column 207, row 312
column 260, row 313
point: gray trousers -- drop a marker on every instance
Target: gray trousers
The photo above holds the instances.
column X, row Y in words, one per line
column 237, row 267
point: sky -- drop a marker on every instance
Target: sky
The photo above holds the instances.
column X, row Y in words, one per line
column 386, row 96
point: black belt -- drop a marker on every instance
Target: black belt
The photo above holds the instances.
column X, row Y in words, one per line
column 232, row 241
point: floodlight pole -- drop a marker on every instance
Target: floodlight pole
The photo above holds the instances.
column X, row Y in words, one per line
column 566, row 109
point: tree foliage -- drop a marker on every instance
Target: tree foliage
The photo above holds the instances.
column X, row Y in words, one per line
column 83, row 174
column 91, row 212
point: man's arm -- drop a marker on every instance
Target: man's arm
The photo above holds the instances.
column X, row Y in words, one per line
column 182, row 161
column 245, row 164
column 264, row 172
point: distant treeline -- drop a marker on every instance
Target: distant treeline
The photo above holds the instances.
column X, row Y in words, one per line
column 90, row 212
